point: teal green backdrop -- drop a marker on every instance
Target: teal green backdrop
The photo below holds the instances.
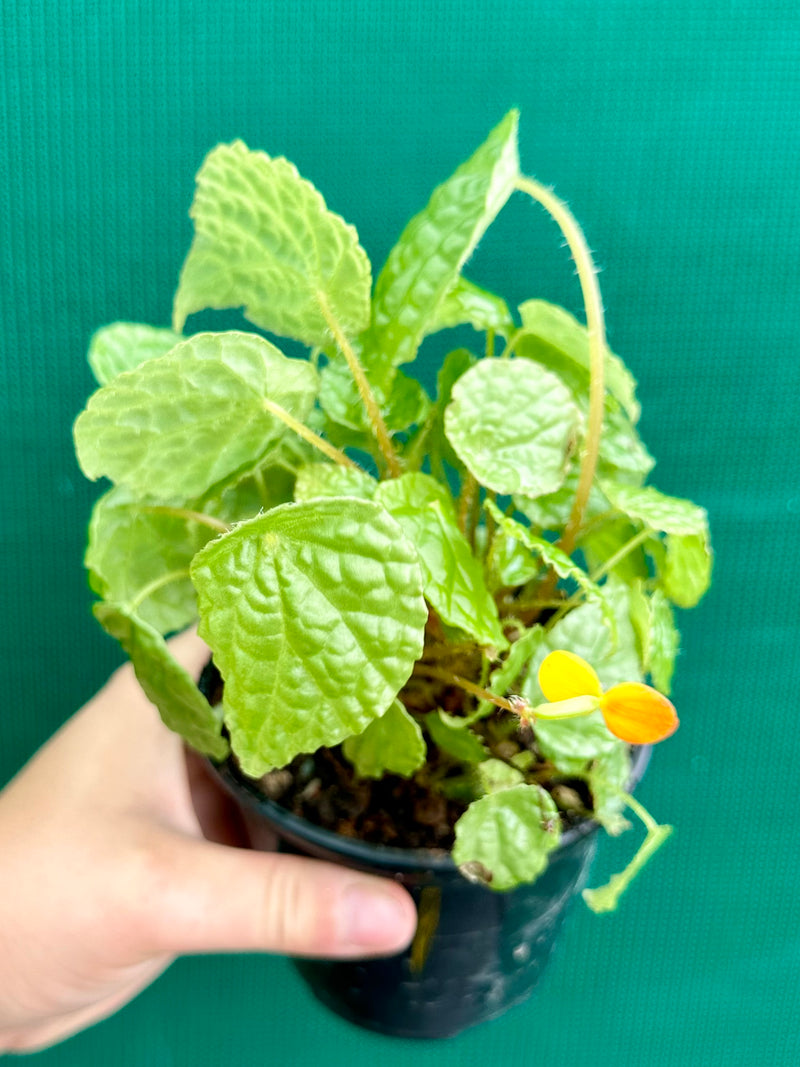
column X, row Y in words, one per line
column 673, row 131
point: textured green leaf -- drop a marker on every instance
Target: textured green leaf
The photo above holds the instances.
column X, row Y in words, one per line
column 664, row 642
column 646, row 504
column 512, row 424
column 453, row 577
column 457, row 741
column 506, row 837
column 132, row 549
column 560, row 562
column 469, row 305
column 124, row 345
column 315, row 615
column 425, row 264
column 510, row 564
column 607, row 779
column 602, row 542
column 178, row 425
column 392, row 744
column 180, row 703
column 331, row 479
column 552, row 511
column 623, row 455
column 495, row 774
column 687, row 570
column 265, row 240
column 559, row 342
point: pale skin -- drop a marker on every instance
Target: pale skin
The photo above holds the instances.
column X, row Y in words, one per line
column 117, row 855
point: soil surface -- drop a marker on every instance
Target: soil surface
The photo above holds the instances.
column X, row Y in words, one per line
column 417, row 812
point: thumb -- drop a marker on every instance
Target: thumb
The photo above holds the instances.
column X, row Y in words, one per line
column 213, row 898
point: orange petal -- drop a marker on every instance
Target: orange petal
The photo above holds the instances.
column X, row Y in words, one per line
column 564, row 675
column 638, row 714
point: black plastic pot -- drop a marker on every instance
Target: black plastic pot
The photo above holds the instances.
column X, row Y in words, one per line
column 478, row 952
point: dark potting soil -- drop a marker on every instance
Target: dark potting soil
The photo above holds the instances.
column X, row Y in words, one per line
column 416, row 812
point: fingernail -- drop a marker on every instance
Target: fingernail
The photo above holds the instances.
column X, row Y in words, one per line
column 376, row 919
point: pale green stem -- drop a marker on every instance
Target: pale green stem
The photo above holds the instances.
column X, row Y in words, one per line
column 186, row 513
column 587, row 275
column 606, row 897
column 155, row 585
column 303, row 431
column 620, row 554
column 364, row 388
column 600, row 572
column 261, row 485
column 470, row 687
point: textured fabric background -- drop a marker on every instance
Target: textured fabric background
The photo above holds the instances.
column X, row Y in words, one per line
column 673, row 130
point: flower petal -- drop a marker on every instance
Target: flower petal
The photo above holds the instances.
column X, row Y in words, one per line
column 638, row 714
column 564, row 675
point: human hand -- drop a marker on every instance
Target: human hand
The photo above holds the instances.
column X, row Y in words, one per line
column 107, row 876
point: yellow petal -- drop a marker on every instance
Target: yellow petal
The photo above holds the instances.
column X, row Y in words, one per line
column 638, row 714
column 564, row 675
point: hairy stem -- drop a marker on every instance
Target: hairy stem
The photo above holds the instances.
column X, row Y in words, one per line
column 364, row 388
column 308, row 435
column 587, row 276
column 186, row 513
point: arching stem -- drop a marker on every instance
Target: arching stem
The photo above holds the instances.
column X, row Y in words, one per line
column 587, row 275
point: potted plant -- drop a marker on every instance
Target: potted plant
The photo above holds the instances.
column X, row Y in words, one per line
column 431, row 618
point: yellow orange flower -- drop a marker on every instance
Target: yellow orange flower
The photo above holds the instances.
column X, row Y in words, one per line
column 632, row 711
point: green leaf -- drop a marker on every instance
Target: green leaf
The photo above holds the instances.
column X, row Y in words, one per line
column 607, row 779
column 453, row 577
column 457, row 741
column 495, row 774
column 425, row 264
column 331, row 479
column 124, row 345
column 602, row 542
column 244, row 499
column 664, row 642
column 646, row 504
column 552, row 511
column 513, row 666
column 687, row 570
column 166, row 684
column 561, row 563
column 504, row 838
column 512, row 424
column 315, row 615
column 559, row 342
column 179, row 425
column 265, row 240
column 623, row 456
column 391, row 744
column 132, row 549
column 468, row 305
column 509, row 563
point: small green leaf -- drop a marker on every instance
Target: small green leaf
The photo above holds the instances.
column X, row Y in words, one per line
column 315, row 615
column 552, row 511
column 512, row 424
column 509, row 563
column 558, row 341
column 687, row 570
column 457, row 741
column 664, row 642
column 425, row 264
column 331, row 479
column 179, row 425
column 468, row 305
column 453, row 577
column 560, row 562
column 392, row 744
column 508, row 835
column 181, row 704
column 667, row 514
column 607, row 779
column 132, row 549
column 495, row 774
column 265, row 240
column 124, row 345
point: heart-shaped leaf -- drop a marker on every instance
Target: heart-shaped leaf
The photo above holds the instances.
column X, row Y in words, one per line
column 315, row 615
